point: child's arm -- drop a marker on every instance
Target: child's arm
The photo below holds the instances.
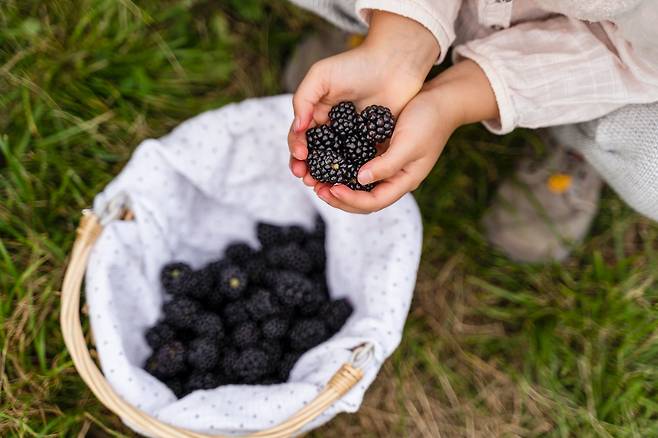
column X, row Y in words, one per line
column 562, row 71
column 458, row 96
column 355, row 16
column 537, row 74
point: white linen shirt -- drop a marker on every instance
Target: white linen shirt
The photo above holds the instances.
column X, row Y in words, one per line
column 546, row 65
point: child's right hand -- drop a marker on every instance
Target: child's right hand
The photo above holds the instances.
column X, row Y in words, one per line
column 387, row 69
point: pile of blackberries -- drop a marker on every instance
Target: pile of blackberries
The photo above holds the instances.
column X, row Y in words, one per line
column 248, row 317
column 337, row 151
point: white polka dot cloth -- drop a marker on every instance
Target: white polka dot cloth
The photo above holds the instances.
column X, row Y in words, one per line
column 197, row 189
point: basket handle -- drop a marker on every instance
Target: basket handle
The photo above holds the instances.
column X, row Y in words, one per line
column 88, row 231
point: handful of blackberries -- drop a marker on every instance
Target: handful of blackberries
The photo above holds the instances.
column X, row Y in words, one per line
column 248, row 317
column 337, row 151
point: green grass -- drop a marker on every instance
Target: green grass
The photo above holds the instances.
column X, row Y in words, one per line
column 492, row 348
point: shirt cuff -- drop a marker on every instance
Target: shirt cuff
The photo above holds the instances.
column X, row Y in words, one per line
column 415, row 10
column 507, row 114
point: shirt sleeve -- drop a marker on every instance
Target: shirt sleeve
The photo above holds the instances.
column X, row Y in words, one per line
column 341, row 13
column 438, row 16
column 560, row 71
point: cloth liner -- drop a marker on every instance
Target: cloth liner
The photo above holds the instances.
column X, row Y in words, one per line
column 195, row 190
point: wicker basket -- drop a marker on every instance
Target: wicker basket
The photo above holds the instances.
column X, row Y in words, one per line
column 88, row 231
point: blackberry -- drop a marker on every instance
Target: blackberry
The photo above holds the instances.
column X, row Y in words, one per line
column 320, row 228
column 290, row 257
column 311, row 301
column 286, row 365
column 271, row 277
column 222, row 378
column 327, row 166
column 354, row 184
column 239, row 252
column 232, row 282
column 335, row 313
column 320, row 138
column 261, row 304
column 274, row 352
column 296, row 233
column 270, row 235
column 180, row 279
column 177, row 387
column 351, row 178
column 377, row 124
column 252, row 364
column 291, row 287
column 167, row 361
column 275, row 327
column 316, row 253
column 341, row 110
column 320, row 284
column 215, row 268
column 245, row 335
column 357, row 150
column 203, row 354
column 270, row 380
column 159, row 334
column 209, row 324
column 182, row 312
column 201, row 380
column 235, row 313
column 177, row 278
column 255, row 269
column 229, row 361
column 307, row 333
column 203, row 284
column 153, row 367
column 215, row 299
column 344, row 118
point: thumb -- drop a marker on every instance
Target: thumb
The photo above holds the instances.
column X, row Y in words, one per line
column 383, row 166
column 312, row 88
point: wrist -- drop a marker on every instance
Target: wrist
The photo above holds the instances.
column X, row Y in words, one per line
column 403, row 42
column 465, row 92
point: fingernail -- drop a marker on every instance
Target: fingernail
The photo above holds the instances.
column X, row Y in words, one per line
column 335, row 191
column 297, row 123
column 365, row 177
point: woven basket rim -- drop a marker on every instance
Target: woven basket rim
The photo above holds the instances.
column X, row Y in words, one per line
column 90, row 228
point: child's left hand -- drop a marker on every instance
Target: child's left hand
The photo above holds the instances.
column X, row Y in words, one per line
column 458, row 96
column 388, row 68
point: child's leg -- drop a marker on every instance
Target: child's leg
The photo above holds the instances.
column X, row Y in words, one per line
column 623, row 147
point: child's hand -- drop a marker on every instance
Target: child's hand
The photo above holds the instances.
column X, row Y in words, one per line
column 388, row 69
column 460, row 95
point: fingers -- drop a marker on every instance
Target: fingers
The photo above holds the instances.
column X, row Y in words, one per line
column 383, row 195
column 309, row 180
column 308, row 109
column 297, row 144
column 297, row 167
column 324, row 192
column 385, row 165
column 308, row 95
column 321, row 113
column 300, row 170
column 386, row 193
